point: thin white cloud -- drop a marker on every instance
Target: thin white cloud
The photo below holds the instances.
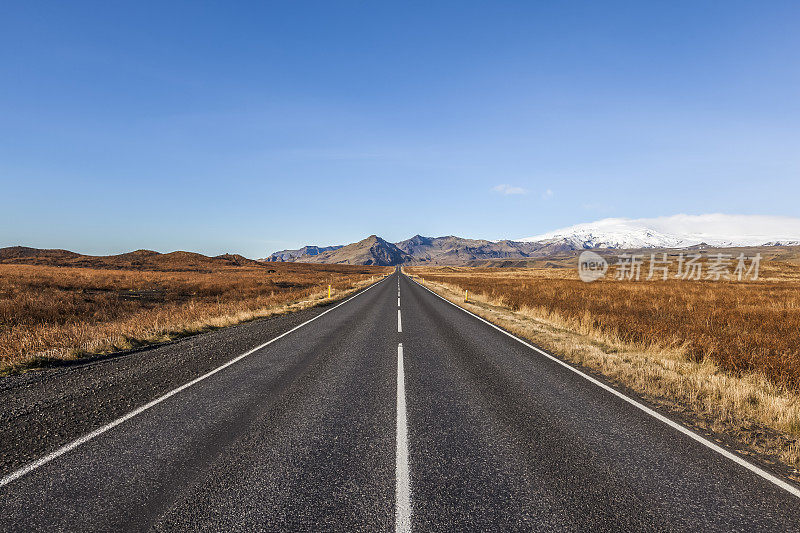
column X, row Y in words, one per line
column 546, row 195
column 507, row 189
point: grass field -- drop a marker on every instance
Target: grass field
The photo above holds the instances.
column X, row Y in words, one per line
column 50, row 313
column 742, row 326
column 723, row 355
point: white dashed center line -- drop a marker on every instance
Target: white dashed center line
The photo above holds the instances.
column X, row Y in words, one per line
column 402, row 513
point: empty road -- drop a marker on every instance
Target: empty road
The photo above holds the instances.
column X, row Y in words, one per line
column 391, row 411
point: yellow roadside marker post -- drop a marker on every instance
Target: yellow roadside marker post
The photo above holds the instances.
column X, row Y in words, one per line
column 329, row 291
column 466, row 296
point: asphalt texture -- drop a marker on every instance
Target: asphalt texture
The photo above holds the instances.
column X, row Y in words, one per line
column 300, row 435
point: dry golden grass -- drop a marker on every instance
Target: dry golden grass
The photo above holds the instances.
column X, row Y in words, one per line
column 724, row 354
column 741, row 326
column 53, row 312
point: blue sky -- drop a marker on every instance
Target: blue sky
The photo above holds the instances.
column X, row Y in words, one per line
column 252, row 127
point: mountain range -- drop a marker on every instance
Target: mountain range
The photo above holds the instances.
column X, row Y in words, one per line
column 769, row 235
column 448, row 250
column 679, row 231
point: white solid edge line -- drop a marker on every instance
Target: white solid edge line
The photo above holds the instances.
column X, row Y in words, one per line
column 402, row 513
column 30, row 467
column 399, row 323
column 791, row 489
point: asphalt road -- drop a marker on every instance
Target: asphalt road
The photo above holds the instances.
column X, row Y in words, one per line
column 335, row 426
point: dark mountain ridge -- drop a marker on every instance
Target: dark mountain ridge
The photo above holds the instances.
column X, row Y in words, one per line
column 448, row 250
column 305, row 251
column 452, row 250
column 371, row 251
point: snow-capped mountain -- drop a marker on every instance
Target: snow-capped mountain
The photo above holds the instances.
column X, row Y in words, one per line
column 678, row 231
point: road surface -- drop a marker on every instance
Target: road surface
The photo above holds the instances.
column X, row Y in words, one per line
column 392, row 411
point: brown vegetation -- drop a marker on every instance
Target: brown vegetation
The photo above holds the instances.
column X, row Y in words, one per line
column 722, row 356
column 103, row 304
column 741, row 326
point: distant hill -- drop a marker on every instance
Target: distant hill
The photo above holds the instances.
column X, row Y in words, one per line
column 23, row 254
column 136, row 260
